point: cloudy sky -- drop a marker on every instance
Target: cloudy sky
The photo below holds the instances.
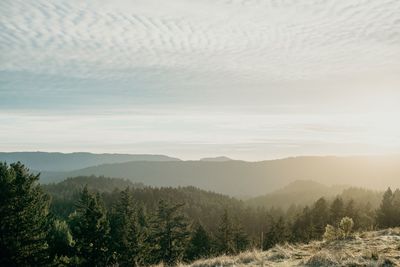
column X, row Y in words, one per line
column 249, row 79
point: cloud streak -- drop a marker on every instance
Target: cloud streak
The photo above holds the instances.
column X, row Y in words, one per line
column 281, row 41
column 335, row 59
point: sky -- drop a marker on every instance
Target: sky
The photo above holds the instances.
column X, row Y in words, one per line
column 248, row 79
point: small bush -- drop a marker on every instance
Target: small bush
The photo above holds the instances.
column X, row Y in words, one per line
column 344, row 231
column 330, row 233
column 346, row 226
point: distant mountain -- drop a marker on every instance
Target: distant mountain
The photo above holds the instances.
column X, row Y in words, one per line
column 216, row 159
column 301, row 192
column 240, row 178
column 56, row 162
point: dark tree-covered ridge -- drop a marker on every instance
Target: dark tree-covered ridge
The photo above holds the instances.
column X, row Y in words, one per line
column 105, row 223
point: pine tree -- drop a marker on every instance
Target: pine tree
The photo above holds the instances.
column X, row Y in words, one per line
column 336, row 211
column 224, row 235
column 240, row 238
column 199, row 244
column 320, row 217
column 396, row 207
column 276, row 234
column 169, row 234
column 90, row 229
column 303, row 229
column 24, row 218
column 366, row 220
column 61, row 243
column 124, row 230
column 144, row 242
column 352, row 212
column 385, row 213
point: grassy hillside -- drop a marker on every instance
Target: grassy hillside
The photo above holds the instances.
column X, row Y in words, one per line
column 377, row 248
column 241, row 178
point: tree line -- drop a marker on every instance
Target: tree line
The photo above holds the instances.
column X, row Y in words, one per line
column 141, row 226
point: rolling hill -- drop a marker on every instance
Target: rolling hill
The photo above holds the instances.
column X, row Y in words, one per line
column 299, row 192
column 56, row 162
column 240, row 178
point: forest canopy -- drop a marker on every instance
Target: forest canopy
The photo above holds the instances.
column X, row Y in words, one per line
column 99, row 221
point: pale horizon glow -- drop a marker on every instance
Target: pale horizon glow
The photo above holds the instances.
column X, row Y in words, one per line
column 246, row 79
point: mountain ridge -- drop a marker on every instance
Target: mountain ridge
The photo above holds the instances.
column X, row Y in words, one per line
column 240, row 178
column 57, row 161
column 299, row 192
column 216, row 159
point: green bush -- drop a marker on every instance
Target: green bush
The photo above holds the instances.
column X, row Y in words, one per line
column 346, row 226
column 342, row 232
column 330, row 233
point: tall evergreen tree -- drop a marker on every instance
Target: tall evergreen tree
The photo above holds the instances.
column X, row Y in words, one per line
column 224, row 235
column 240, row 238
column 90, row 229
column 144, row 243
column 276, row 234
column 61, row 243
column 199, row 244
column 124, row 234
column 169, row 234
column 337, row 211
column 352, row 212
column 366, row 218
column 23, row 218
column 396, row 207
column 320, row 217
column 303, row 229
column 385, row 213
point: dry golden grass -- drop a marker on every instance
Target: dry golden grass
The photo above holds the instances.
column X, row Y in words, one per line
column 378, row 248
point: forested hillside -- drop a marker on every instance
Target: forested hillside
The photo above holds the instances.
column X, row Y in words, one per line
column 302, row 193
column 250, row 179
column 98, row 221
column 297, row 192
column 200, row 205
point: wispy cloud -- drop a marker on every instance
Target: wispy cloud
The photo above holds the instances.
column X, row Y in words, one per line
column 281, row 40
column 278, row 58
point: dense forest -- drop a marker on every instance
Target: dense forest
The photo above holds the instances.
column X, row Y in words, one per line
column 99, row 221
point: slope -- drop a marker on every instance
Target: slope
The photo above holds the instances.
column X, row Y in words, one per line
column 240, row 178
column 300, row 192
column 376, row 248
column 56, row 162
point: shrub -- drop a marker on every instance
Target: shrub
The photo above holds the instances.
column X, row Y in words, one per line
column 346, row 226
column 330, row 233
column 344, row 230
